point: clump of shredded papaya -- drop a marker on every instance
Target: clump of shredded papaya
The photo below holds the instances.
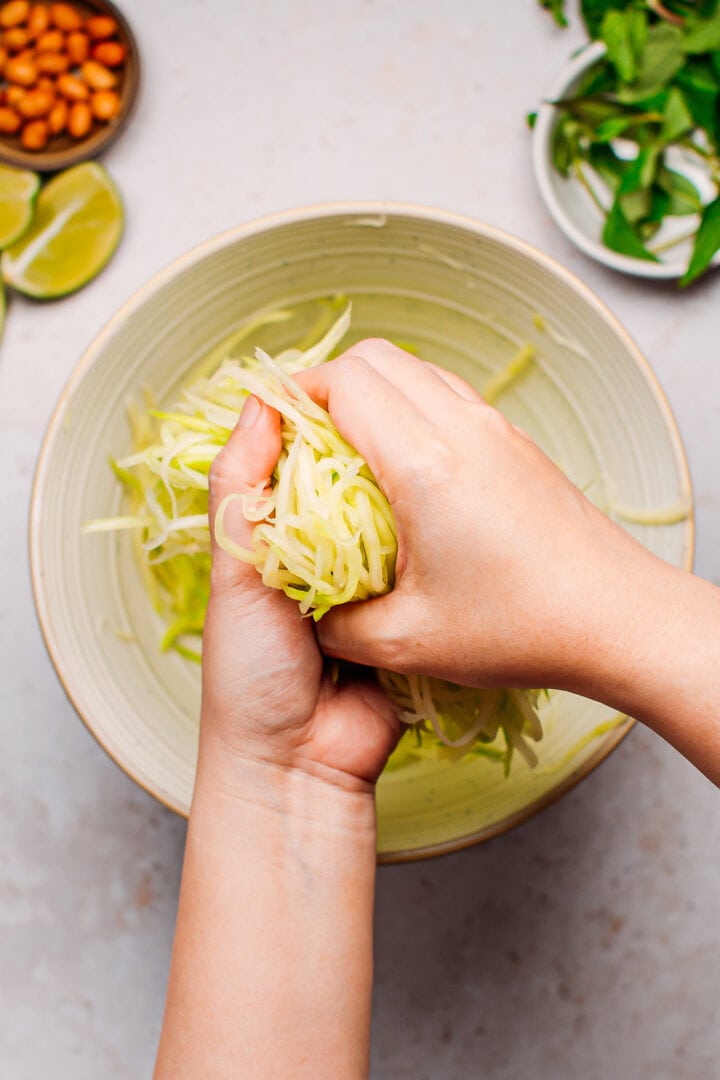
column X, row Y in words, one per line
column 324, row 534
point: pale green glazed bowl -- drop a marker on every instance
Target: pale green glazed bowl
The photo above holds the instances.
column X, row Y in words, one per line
column 468, row 296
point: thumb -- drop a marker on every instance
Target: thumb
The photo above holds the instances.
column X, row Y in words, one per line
column 362, row 632
column 246, row 461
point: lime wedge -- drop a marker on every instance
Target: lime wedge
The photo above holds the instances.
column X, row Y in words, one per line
column 77, row 226
column 18, row 188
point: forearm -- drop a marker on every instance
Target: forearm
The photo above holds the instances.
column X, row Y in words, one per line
column 272, row 965
column 654, row 653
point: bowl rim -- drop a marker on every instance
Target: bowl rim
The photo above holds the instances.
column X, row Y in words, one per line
column 373, row 210
column 545, row 174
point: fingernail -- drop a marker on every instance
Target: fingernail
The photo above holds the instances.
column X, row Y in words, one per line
column 250, row 413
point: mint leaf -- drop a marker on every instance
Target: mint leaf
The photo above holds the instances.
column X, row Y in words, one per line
column 591, row 110
column 703, row 35
column 600, row 79
column 660, row 60
column 621, row 125
column 677, row 118
column 636, row 205
column 608, row 165
column 624, row 34
column 593, row 12
column 642, row 170
column 620, row 236
column 633, row 195
column 659, row 208
column 565, row 145
column 699, row 84
column 707, row 243
column 684, row 196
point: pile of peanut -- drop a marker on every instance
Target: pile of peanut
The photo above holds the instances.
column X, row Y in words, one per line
column 60, row 71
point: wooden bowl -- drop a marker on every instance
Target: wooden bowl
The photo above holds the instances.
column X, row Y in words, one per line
column 62, row 150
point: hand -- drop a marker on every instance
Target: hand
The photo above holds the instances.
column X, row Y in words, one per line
column 266, row 695
column 272, row 963
column 503, row 565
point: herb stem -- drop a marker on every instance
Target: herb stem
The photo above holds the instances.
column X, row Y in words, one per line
column 664, row 13
column 657, row 249
column 710, row 158
column 580, row 173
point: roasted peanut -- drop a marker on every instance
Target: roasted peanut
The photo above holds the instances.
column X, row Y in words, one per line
column 78, row 47
column 9, row 120
column 110, row 53
column 22, row 72
column 36, row 103
column 15, row 39
column 59, row 70
column 38, row 20
column 52, row 63
column 65, row 17
column 35, row 135
column 14, row 95
column 101, row 26
column 105, row 104
column 50, row 41
column 57, row 117
column 97, row 76
column 79, row 120
column 72, row 88
column 14, row 13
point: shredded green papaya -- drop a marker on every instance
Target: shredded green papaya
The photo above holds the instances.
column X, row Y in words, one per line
column 325, row 533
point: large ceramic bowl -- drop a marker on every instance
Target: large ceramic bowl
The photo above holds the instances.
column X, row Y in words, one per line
column 468, row 297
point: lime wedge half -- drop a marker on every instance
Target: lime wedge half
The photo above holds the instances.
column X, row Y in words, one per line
column 77, row 225
column 18, row 188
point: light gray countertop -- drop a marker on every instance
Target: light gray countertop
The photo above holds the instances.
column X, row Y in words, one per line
column 585, row 945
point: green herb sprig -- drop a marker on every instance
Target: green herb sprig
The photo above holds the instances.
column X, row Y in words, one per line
column 654, row 94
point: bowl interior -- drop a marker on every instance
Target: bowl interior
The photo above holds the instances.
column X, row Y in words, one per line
column 469, row 298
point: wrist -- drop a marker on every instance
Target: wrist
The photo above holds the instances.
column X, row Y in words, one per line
column 272, row 963
column 235, row 782
column 631, row 629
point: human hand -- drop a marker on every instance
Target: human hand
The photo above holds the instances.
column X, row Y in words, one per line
column 265, row 693
column 502, row 563
column 272, row 963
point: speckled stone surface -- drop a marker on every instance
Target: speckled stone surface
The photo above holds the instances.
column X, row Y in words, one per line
column 586, row 944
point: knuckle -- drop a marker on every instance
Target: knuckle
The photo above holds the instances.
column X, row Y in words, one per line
column 220, row 477
column 365, row 353
column 216, row 473
column 373, row 346
column 393, row 654
column 350, row 366
column 399, row 654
